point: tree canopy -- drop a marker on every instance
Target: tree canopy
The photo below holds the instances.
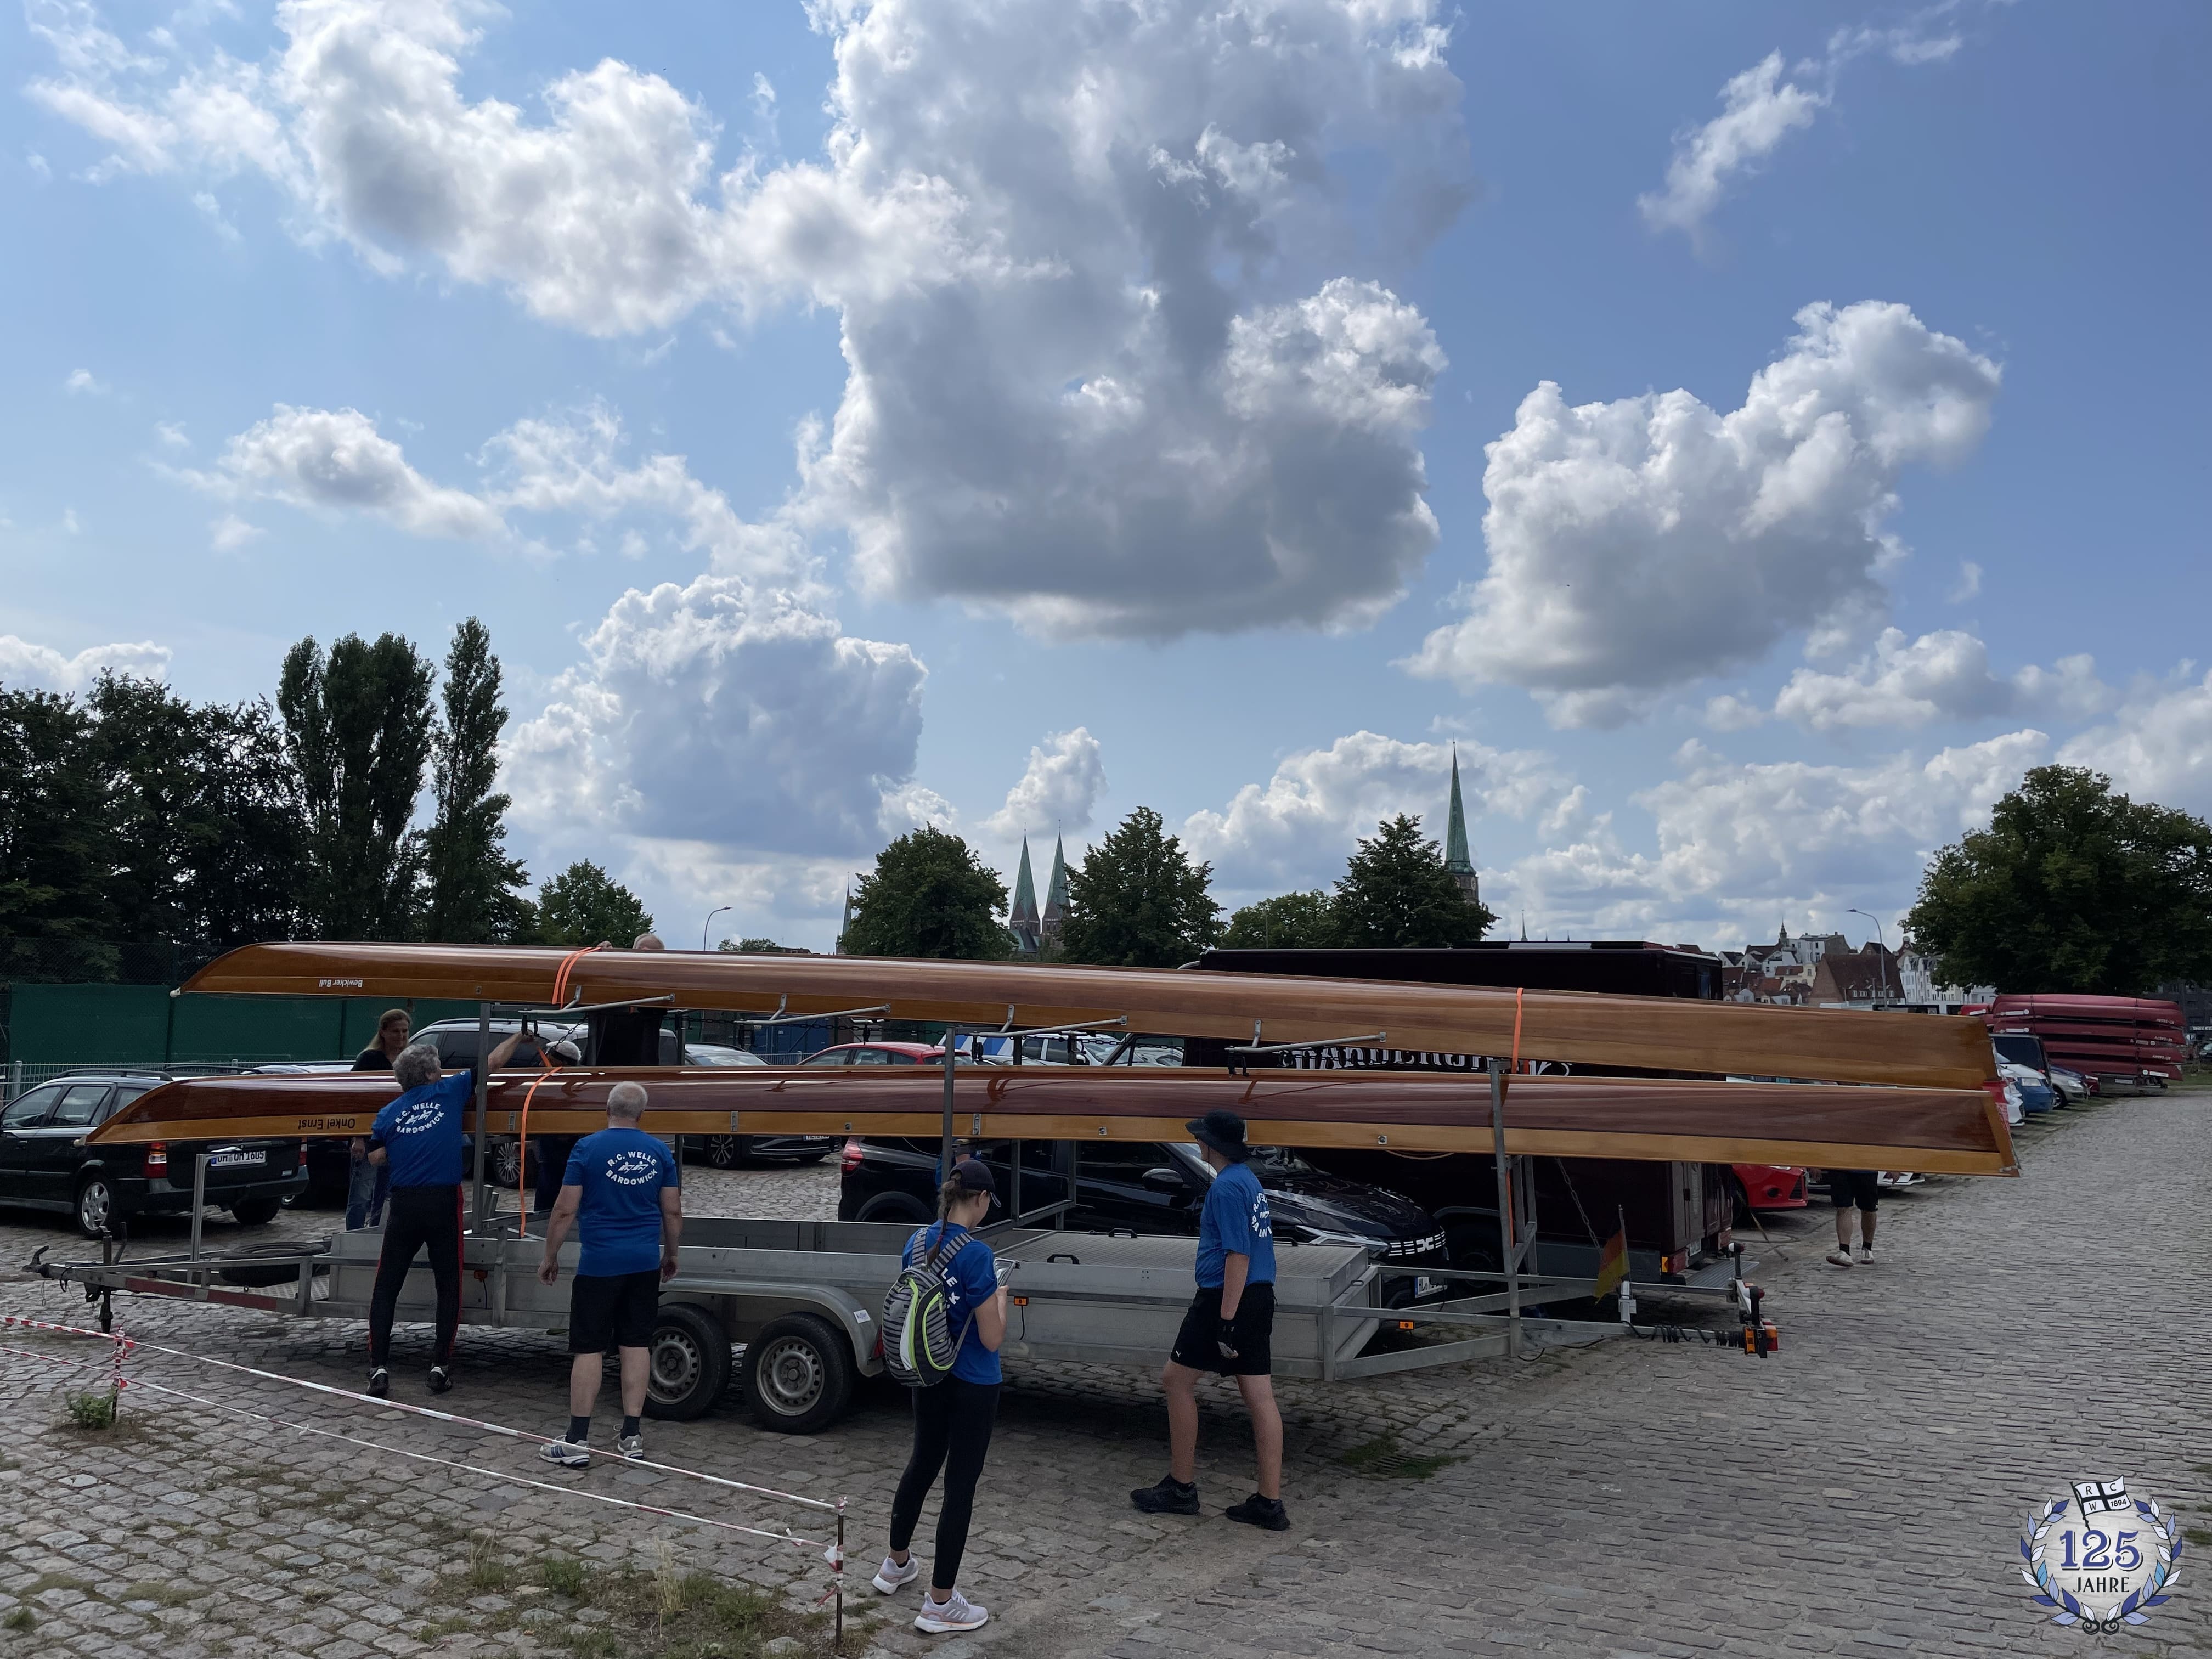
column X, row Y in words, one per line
column 2071, row 887
column 1289, row 922
column 357, row 723
column 1396, row 892
column 1137, row 901
column 584, row 905
column 929, row 896
column 472, row 896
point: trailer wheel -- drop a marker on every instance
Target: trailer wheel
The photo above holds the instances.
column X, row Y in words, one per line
column 797, row 1374
column 689, row 1362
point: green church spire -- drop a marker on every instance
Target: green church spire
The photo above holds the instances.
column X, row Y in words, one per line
column 1055, row 895
column 1022, row 919
column 1457, row 860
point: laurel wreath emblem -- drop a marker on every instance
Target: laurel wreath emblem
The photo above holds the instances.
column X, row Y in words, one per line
column 2165, row 1528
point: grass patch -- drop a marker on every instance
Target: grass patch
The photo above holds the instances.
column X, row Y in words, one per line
column 20, row 1619
column 1383, row 1459
column 667, row 1613
column 438, row 1628
column 488, row 1569
column 168, row 1595
column 567, row 1577
column 2200, row 1536
column 92, row 1411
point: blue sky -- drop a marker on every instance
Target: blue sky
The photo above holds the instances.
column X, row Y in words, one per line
column 1010, row 415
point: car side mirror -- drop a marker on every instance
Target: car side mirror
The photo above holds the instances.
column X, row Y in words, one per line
column 1163, row 1180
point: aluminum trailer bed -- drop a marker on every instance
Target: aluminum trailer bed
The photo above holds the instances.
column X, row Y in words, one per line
column 800, row 1300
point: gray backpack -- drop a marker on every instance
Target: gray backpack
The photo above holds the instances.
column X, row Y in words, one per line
column 920, row 1343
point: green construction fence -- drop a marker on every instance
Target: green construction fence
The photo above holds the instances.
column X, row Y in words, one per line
column 145, row 1026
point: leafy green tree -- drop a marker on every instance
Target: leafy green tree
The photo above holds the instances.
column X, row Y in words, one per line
column 1137, row 901
column 203, row 818
column 1289, row 922
column 2071, row 887
column 1396, row 892
column 358, row 726
column 752, row 947
column 473, row 896
column 584, row 905
column 54, row 857
column 929, row 896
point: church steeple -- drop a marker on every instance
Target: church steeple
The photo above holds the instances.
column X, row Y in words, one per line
column 1055, row 894
column 845, row 926
column 1022, row 920
column 1456, row 857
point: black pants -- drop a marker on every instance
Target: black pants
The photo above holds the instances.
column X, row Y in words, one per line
column 952, row 1430
column 418, row 1216
column 552, row 1163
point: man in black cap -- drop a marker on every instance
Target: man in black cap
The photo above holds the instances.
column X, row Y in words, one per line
column 1229, row 1330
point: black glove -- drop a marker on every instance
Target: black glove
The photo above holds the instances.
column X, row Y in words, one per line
column 1225, row 1336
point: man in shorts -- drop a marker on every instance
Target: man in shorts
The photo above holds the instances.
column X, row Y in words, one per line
column 623, row 1193
column 1859, row 1189
column 1229, row 1331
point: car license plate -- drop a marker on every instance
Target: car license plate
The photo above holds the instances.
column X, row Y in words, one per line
column 236, row 1160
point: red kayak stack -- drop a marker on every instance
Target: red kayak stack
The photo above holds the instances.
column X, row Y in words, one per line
column 2125, row 1039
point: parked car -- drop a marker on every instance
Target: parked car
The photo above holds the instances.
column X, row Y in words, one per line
column 1770, row 1186
column 728, row 1151
column 2035, row 1095
column 2005, row 1093
column 455, row 1040
column 44, row 1164
column 876, row 1053
column 1148, row 1188
column 329, row 1158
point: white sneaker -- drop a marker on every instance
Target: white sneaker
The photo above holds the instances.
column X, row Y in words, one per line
column 1840, row 1256
column 631, row 1445
column 890, row 1574
column 1865, row 1256
column 950, row 1617
column 566, row 1455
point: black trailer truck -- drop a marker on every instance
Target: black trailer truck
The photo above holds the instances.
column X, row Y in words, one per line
column 1678, row 1215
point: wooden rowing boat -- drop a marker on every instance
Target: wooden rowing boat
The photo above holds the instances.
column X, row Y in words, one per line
column 1641, row 1034
column 1935, row 1131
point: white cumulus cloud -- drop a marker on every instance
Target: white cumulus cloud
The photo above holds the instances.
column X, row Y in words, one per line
column 1057, row 790
column 1101, row 374
column 2157, row 747
column 336, row 459
column 40, row 667
column 1759, row 109
column 1297, row 828
column 1644, row 544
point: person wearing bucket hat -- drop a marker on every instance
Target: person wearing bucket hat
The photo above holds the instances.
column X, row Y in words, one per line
column 1229, row 1331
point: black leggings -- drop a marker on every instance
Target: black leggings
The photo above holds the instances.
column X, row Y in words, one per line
column 952, row 1430
column 418, row 1216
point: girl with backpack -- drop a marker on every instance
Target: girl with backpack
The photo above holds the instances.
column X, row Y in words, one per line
column 942, row 1328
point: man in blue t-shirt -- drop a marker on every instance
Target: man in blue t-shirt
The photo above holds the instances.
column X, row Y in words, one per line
column 418, row 1140
column 1229, row 1330
column 623, row 1193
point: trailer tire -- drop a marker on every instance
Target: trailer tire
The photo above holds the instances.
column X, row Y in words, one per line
column 797, row 1374
column 689, row 1362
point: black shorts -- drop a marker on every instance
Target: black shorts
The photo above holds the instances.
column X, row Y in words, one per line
column 1859, row 1187
column 1255, row 1327
column 613, row 1311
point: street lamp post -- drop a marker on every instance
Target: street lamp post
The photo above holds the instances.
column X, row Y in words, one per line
column 1881, row 940
column 709, row 922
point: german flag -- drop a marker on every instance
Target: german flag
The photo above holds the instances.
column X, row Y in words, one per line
column 1612, row 1264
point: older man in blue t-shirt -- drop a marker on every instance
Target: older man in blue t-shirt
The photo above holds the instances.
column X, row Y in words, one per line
column 623, row 1193
column 1229, row 1330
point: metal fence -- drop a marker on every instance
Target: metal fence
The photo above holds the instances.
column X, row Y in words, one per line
column 18, row 1075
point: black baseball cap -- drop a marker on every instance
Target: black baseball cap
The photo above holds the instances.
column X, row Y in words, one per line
column 974, row 1177
column 1224, row 1132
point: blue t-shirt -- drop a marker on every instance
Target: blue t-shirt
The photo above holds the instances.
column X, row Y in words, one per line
column 420, row 1133
column 971, row 1278
column 1235, row 1219
column 622, row 1172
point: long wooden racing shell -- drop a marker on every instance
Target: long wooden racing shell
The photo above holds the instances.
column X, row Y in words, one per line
column 1936, row 1131
column 1643, row 1034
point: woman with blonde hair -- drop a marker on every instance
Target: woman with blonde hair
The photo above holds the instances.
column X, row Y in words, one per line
column 952, row 1417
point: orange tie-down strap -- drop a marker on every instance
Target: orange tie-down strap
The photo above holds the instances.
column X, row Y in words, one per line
column 522, row 1132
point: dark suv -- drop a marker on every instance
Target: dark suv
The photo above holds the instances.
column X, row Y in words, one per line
column 1148, row 1187
column 44, row 1164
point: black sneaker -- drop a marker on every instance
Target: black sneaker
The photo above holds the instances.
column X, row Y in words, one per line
column 1171, row 1497
column 379, row 1383
column 1258, row 1511
column 440, row 1382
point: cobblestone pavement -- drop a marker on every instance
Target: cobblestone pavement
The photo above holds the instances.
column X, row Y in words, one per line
column 1858, row 1494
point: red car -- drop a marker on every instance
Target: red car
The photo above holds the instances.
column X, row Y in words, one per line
column 877, row 1053
column 1771, row 1186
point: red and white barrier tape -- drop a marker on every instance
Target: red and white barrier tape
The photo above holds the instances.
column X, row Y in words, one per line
column 505, row 1475
column 421, row 1411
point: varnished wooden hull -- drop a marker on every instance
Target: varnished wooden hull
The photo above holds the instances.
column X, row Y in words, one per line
column 1936, row 1131
column 1647, row 1034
